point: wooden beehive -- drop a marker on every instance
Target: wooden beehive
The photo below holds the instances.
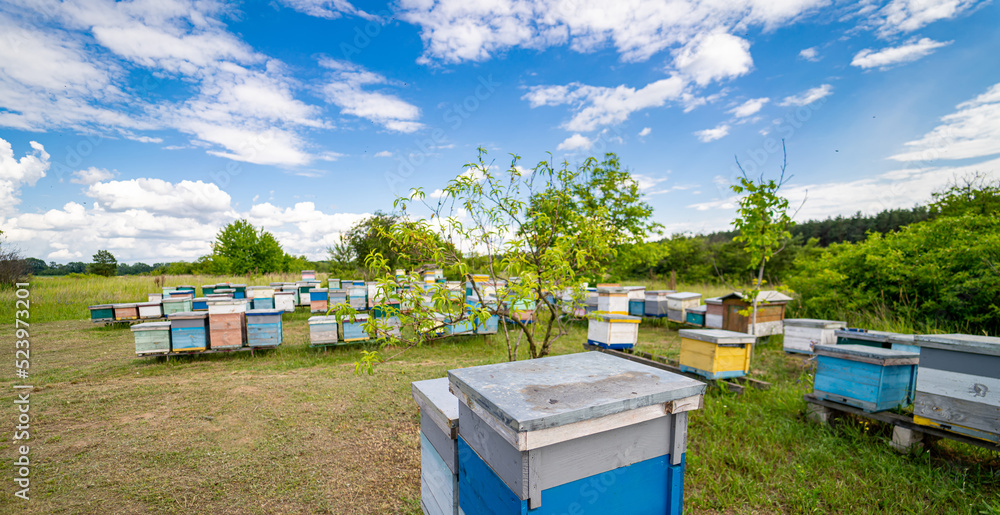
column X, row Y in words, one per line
column 317, row 300
column 182, row 294
column 770, row 313
column 264, row 327
column 388, row 326
column 679, row 302
column 353, row 330
column 102, row 313
column 126, row 311
column 337, row 297
column 176, row 305
column 656, row 302
column 228, row 292
column 151, row 338
column 154, row 297
column 263, row 303
column 438, row 446
column 613, row 331
column 303, row 289
column 357, row 297
column 696, row 315
column 715, row 353
column 539, row 434
column 958, row 384
column 713, row 313
column 227, row 323
column 488, row 326
column 285, row 301
column 207, row 289
column 199, row 304
column 188, row 331
column 308, row 275
column 801, row 334
column 612, row 299
column 150, row 310
column 463, row 326
column 239, row 291
column 636, row 300
column 870, row 378
column 323, row 330
column 167, row 289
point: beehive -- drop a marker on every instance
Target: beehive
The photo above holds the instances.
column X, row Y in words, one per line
column 199, row 304
column 388, row 326
column 207, row 289
column 308, row 275
column 870, row 378
column 176, row 305
column 541, row 434
column 463, row 326
column 264, row 327
column 323, row 330
column 126, row 311
column 613, row 300
column 239, row 291
column 285, row 301
column 613, row 331
column 488, row 326
column 696, row 315
column 102, row 313
column 150, row 310
column 294, row 290
column 678, row 303
column 636, row 300
column 801, row 334
column 958, row 384
column 154, row 297
column 333, row 283
column 227, row 323
column 229, row 292
column 353, row 330
column 713, row 313
column 337, row 297
column 317, row 300
column 357, row 297
column 715, row 353
column 438, row 446
column 151, row 338
column 263, row 303
column 303, row 289
column 182, row 294
column 770, row 313
column 656, row 302
column 188, row 331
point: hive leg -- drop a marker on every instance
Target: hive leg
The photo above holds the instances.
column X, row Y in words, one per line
column 818, row 414
column 904, row 439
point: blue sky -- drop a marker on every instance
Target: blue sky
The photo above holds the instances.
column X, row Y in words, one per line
column 144, row 127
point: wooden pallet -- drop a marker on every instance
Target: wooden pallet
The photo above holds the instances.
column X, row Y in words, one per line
column 905, row 434
column 734, row 384
column 167, row 355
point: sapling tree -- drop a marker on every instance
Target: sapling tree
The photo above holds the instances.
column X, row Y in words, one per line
column 763, row 225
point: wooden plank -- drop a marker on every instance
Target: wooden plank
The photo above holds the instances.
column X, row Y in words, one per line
column 438, row 483
column 509, row 464
column 977, row 389
column 443, row 444
column 961, row 362
column 962, row 412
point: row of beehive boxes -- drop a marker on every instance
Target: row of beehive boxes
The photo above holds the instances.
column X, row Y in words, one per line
column 227, row 325
column 157, row 307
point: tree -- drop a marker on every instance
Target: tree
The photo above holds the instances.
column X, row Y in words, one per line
column 522, row 226
column 246, row 249
column 104, row 264
column 12, row 266
column 976, row 193
column 763, row 223
column 364, row 238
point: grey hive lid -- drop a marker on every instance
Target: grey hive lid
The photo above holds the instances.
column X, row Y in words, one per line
column 615, row 317
column 436, row 400
column 714, row 301
column 684, row 295
column 865, row 335
column 188, row 315
column 126, row 305
column 610, row 289
column 972, row 343
column 167, row 300
column 151, row 326
column 101, row 306
column 717, row 336
column 264, row 312
column 698, row 309
column 864, row 351
column 816, row 323
column 549, row 392
column 323, row 319
column 660, row 292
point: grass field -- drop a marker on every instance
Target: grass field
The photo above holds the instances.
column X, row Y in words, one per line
column 295, row 431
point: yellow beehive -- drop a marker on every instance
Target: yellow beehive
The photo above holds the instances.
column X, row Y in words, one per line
column 715, row 353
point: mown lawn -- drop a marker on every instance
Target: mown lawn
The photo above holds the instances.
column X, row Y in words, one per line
column 295, row 431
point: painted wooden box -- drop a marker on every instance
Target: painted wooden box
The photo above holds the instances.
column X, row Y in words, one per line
column 958, row 384
column 354, row 330
column 801, row 334
column 854, row 336
column 357, row 297
column 154, row 297
column 188, row 331
column 102, row 313
column 175, row 305
column 264, row 327
column 385, row 310
column 263, row 303
column 285, row 301
column 715, row 353
column 303, row 289
column 677, row 304
column 227, row 323
column 438, row 446
column 489, row 326
column 696, row 315
column 388, row 326
column 187, row 287
column 308, row 275
column 870, row 378
column 151, row 338
column 713, row 313
column 294, row 290
column 260, row 292
column 207, row 289
column 770, row 313
column 199, row 304
column 537, row 436
column 239, row 291
column 464, row 326
column 126, row 311
column 323, row 330
column 433, row 327
column 150, row 310
column 613, row 300
column 613, row 331
column 182, row 294
column 229, row 292
column 333, row 283
column 167, row 289
column 337, row 297
column 656, row 302
column 318, row 300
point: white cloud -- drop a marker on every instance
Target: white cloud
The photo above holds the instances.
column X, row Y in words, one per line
column 890, row 56
column 345, row 89
column 714, row 57
column 749, row 108
column 970, row 132
column 807, row 97
column 383, row 153
column 910, row 15
column 328, row 9
column 91, row 175
column 598, row 106
column 809, row 54
column 718, row 132
column 575, row 142
column 645, row 132
column 15, row 173
column 186, row 198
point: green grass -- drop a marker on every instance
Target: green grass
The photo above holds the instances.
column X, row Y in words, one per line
column 294, row 431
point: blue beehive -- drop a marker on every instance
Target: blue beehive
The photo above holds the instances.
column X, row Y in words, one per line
column 488, row 326
column 199, row 304
column 696, row 315
column 438, row 446
column 188, row 331
column 464, row 326
column 263, row 303
column 870, row 378
column 264, row 327
column 542, row 434
column 354, row 330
